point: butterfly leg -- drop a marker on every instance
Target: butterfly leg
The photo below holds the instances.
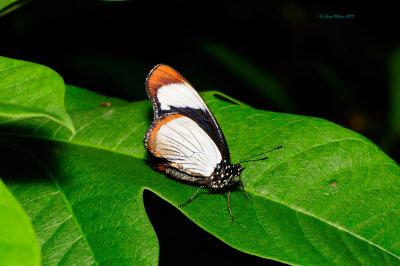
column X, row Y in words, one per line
column 229, row 205
column 244, row 191
column 194, row 195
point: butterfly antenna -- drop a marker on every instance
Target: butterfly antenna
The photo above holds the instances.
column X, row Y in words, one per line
column 254, row 160
column 247, row 159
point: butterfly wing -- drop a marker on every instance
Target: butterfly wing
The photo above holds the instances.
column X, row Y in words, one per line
column 185, row 145
column 171, row 93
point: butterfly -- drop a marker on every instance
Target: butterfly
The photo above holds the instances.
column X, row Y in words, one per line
column 185, row 141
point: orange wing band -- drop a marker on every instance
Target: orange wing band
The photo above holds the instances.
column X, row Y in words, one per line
column 163, row 75
column 154, row 131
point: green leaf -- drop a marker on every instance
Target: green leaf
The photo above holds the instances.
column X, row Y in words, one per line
column 6, row 6
column 330, row 196
column 5, row 3
column 77, row 98
column 18, row 243
column 31, row 90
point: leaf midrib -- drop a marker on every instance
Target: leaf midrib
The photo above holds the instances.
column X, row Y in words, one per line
column 266, row 232
column 308, row 239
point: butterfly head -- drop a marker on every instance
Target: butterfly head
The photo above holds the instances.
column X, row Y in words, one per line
column 224, row 175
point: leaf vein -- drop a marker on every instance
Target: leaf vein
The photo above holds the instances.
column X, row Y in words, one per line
column 308, row 239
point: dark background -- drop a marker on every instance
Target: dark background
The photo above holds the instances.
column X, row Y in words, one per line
column 276, row 55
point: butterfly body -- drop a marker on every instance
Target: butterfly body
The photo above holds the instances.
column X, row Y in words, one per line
column 224, row 176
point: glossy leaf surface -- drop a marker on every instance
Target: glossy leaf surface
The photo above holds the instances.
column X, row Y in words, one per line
column 31, row 90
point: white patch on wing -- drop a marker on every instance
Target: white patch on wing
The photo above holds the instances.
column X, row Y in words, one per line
column 187, row 145
column 179, row 95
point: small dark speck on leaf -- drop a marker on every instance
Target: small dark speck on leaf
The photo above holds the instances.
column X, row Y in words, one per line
column 333, row 183
column 223, row 98
column 108, row 104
